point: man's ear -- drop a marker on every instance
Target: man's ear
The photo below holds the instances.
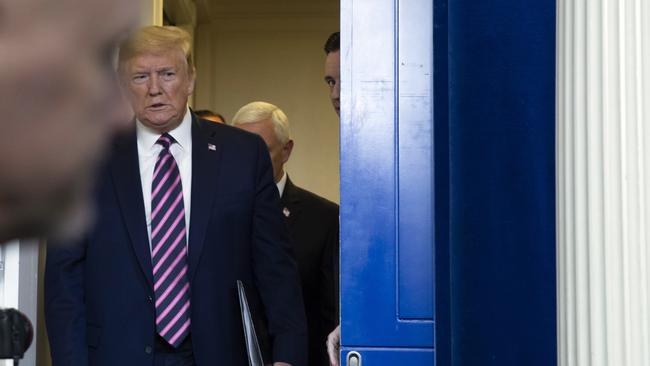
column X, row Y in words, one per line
column 286, row 151
column 190, row 88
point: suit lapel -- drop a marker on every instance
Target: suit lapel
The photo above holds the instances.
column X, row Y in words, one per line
column 126, row 176
column 290, row 203
column 206, row 153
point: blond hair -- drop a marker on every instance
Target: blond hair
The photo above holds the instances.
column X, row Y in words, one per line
column 260, row 111
column 158, row 40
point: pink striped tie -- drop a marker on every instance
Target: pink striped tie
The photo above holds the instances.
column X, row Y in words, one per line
column 169, row 249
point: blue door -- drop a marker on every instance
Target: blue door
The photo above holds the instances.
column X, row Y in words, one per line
column 447, row 182
column 387, row 180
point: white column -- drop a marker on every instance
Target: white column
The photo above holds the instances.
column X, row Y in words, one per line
column 603, row 177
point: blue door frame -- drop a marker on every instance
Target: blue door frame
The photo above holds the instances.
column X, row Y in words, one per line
column 447, row 182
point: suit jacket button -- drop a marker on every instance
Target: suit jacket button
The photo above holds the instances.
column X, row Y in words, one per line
column 148, row 350
column 149, row 298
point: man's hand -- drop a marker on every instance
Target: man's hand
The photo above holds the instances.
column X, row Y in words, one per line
column 333, row 345
column 281, row 364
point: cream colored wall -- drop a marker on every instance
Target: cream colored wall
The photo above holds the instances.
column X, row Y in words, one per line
column 152, row 12
column 278, row 60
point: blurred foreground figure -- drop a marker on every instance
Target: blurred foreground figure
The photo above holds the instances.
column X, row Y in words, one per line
column 59, row 104
column 313, row 224
column 186, row 208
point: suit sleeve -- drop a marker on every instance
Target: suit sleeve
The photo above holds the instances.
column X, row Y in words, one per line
column 329, row 275
column 275, row 271
column 64, row 303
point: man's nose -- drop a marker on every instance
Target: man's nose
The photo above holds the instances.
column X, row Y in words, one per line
column 154, row 86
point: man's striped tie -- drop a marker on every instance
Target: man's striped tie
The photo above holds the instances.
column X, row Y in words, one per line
column 169, row 249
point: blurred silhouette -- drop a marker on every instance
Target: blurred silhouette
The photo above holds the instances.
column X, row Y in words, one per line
column 60, row 104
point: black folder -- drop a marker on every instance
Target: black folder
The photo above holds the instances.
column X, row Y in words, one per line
column 252, row 345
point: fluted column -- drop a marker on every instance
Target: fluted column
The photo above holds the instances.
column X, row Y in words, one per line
column 603, row 177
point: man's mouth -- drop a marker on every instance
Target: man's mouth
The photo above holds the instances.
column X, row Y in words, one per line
column 157, row 106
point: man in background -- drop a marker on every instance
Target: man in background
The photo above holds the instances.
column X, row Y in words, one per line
column 210, row 116
column 333, row 79
column 333, row 69
column 60, row 104
column 186, row 208
column 313, row 224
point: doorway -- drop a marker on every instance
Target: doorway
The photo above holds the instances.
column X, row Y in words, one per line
column 269, row 51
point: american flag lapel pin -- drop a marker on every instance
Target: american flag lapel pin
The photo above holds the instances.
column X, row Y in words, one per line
column 212, row 147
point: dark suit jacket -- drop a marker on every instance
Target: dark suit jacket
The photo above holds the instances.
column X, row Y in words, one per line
column 98, row 293
column 314, row 229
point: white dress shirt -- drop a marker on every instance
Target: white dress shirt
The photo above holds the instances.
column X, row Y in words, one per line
column 181, row 150
column 282, row 183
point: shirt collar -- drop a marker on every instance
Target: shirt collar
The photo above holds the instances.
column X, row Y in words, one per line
column 282, row 183
column 182, row 133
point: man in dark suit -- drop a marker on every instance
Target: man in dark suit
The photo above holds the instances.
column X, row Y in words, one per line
column 332, row 50
column 185, row 209
column 313, row 224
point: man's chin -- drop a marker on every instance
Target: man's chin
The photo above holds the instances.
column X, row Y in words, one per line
column 337, row 108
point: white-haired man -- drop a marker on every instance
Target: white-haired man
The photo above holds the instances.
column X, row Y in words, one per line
column 313, row 226
column 186, row 208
